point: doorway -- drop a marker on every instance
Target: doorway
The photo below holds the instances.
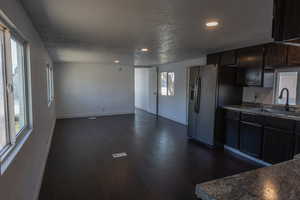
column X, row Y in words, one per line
column 146, row 89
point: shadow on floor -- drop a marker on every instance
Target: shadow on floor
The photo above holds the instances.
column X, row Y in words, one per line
column 161, row 163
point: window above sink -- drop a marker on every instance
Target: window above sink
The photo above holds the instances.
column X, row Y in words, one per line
column 287, row 78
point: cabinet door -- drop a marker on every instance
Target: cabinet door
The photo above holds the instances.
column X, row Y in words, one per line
column 293, row 55
column 268, row 78
column 228, row 58
column 213, row 59
column 250, row 60
column 286, row 20
column 276, row 55
column 251, row 139
column 297, row 138
column 297, row 144
column 232, row 133
column 278, row 145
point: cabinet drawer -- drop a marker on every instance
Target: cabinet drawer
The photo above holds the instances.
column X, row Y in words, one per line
column 253, row 118
column 279, row 123
column 231, row 114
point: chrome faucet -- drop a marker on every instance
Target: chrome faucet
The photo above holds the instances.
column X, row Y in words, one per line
column 287, row 107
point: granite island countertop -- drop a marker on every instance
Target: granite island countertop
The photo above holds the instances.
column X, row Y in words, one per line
column 258, row 110
column 277, row 182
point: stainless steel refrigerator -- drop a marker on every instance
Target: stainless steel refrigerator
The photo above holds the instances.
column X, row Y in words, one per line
column 210, row 88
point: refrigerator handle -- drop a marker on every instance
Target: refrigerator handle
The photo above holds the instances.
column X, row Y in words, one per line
column 197, row 105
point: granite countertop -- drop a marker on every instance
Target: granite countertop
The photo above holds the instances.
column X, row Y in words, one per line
column 258, row 110
column 277, row 182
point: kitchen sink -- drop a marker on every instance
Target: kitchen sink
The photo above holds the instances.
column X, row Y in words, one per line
column 280, row 111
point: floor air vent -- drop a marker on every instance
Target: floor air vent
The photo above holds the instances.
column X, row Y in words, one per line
column 119, row 155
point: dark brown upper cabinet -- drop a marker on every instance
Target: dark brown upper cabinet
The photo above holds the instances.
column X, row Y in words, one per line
column 251, row 66
column 286, row 20
column 213, row 59
column 228, row 58
column 275, row 55
column 293, row 57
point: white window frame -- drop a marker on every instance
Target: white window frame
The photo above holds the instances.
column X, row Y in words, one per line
column 14, row 140
column 276, row 83
column 167, row 95
column 50, row 84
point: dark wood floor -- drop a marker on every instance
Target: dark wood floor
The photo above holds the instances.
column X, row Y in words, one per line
column 161, row 164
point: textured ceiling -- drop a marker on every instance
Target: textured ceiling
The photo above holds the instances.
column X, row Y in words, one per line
column 173, row 30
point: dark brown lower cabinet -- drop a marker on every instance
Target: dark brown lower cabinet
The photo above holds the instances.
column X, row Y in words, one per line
column 232, row 133
column 278, row 145
column 251, row 135
column 297, row 144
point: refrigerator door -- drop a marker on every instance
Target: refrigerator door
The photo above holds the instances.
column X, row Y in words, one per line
column 192, row 114
column 207, row 104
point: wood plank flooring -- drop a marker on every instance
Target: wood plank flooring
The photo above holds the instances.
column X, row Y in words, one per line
column 161, row 163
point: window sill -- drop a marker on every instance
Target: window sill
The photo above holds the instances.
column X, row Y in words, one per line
column 11, row 152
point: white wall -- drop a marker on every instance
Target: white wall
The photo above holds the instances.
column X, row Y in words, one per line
column 23, row 177
column 93, row 89
column 142, row 87
column 175, row 107
column 258, row 95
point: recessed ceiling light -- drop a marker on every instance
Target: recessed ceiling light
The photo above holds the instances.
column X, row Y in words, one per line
column 144, row 49
column 117, row 61
column 212, row 24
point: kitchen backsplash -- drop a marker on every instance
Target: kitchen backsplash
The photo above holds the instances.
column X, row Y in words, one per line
column 257, row 95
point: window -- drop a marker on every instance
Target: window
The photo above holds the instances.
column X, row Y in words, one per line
column 167, row 83
column 19, row 85
column 3, row 117
column 15, row 111
column 50, row 87
column 287, row 79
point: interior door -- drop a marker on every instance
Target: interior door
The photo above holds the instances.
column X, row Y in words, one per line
column 153, row 90
column 193, row 115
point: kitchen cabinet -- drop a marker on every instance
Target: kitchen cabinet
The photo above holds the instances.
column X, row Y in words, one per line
column 250, row 63
column 269, row 77
column 278, row 145
column 251, row 138
column 297, row 138
column 280, row 123
column 293, row 57
column 270, row 139
column 213, row 59
column 232, row 124
column 275, row 55
column 251, row 134
column 286, row 20
column 255, row 65
column 297, row 144
column 278, row 139
column 228, row 58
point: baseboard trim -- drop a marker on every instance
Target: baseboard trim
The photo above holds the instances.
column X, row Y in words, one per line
column 243, row 155
column 45, row 161
column 83, row 115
